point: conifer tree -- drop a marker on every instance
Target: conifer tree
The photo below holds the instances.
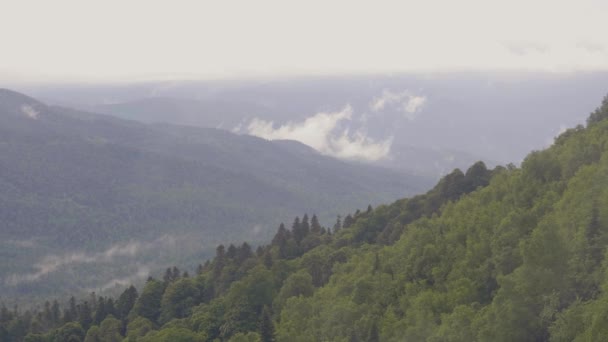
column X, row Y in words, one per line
column 231, row 252
column 348, row 221
column 55, row 312
column 305, row 225
column 244, row 252
column 126, row 301
column 373, row 334
column 110, row 307
column 71, row 314
column 296, row 230
column 85, row 316
column 315, row 227
column 337, row 225
column 266, row 326
column 100, row 313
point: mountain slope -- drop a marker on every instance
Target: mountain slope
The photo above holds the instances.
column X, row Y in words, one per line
column 504, row 255
column 512, row 254
column 73, row 182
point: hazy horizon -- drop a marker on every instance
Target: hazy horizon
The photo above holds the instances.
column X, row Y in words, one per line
column 71, row 41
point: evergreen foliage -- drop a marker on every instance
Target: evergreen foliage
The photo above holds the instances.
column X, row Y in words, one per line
column 510, row 254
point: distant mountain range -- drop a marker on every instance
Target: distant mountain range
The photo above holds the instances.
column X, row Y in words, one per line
column 437, row 121
column 79, row 188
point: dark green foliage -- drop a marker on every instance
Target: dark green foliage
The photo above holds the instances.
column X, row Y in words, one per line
column 148, row 303
column 267, row 333
column 511, row 254
column 178, row 299
column 600, row 113
column 126, row 301
column 85, row 315
column 70, row 332
column 84, row 183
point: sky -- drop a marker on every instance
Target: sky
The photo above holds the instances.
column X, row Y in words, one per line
column 63, row 40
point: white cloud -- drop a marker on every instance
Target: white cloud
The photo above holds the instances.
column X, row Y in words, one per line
column 360, row 146
column 321, row 132
column 51, row 263
column 30, row 112
column 141, row 273
column 406, row 102
column 413, row 106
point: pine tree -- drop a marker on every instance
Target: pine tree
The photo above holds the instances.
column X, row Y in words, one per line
column 280, row 240
column 315, row 227
column 168, row 277
column 47, row 315
column 219, row 262
column 55, row 313
column 244, row 252
column 373, row 334
column 100, row 313
column 305, row 226
column 85, row 316
column 175, row 273
column 296, row 230
column 231, row 252
column 266, row 326
column 110, row 308
column 126, row 301
column 338, row 224
column 348, row 221
column 71, row 314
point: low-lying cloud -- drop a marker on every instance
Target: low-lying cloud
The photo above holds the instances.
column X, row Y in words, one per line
column 52, row 263
column 30, row 112
column 322, row 132
column 142, row 272
column 406, row 102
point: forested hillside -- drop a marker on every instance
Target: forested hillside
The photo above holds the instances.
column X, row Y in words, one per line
column 82, row 192
column 510, row 254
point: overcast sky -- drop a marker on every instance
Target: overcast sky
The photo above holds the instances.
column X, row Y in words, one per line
column 127, row 39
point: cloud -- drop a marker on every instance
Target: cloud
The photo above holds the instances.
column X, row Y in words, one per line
column 360, row 146
column 30, row 112
column 51, row 263
column 322, row 132
column 406, row 102
column 142, row 272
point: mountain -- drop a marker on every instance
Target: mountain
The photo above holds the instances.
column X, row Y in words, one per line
column 79, row 190
column 509, row 254
column 456, row 117
column 422, row 160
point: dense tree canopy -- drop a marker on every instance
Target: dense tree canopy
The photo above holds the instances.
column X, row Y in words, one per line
column 510, row 254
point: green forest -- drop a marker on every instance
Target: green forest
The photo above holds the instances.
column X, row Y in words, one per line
column 509, row 254
column 85, row 183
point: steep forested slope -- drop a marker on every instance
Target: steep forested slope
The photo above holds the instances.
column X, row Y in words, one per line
column 75, row 186
column 512, row 254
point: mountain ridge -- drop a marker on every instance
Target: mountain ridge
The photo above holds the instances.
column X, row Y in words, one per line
column 81, row 181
